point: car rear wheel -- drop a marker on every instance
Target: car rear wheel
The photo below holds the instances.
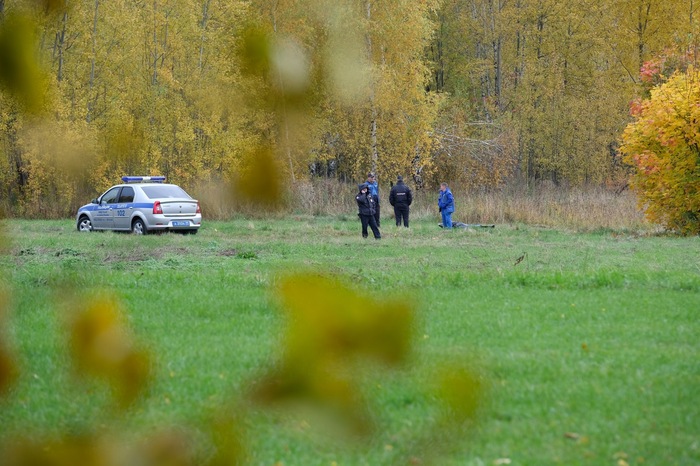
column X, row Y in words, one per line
column 138, row 227
column 84, row 224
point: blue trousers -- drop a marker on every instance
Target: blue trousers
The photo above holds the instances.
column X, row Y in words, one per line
column 446, row 219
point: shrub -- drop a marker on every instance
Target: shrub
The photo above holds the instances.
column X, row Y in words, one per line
column 663, row 145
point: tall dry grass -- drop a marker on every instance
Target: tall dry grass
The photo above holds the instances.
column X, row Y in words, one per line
column 580, row 209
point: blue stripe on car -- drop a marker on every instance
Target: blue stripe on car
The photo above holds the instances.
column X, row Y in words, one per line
column 140, row 205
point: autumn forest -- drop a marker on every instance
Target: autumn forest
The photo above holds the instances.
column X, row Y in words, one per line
column 264, row 94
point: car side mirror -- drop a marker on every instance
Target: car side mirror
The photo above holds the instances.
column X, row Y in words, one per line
column 94, row 201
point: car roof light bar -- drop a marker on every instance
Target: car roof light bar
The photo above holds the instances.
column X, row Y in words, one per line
column 143, row 179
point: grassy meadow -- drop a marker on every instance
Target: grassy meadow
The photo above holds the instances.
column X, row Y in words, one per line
column 585, row 344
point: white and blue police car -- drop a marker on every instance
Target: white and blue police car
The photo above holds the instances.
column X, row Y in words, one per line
column 142, row 204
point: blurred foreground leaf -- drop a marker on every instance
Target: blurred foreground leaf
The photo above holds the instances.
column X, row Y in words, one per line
column 170, row 447
column 331, row 329
column 102, row 347
column 8, row 364
column 228, row 439
column 20, row 74
column 330, row 320
column 68, row 451
column 259, row 182
column 254, row 52
column 4, row 238
column 462, row 391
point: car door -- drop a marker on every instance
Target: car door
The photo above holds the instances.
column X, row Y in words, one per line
column 104, row 215
column 124, row 208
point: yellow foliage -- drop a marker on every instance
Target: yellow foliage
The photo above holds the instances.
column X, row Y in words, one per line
column 663, row 146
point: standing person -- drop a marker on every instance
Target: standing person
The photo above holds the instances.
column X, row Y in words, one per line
column 365, row 205
column 446, row 204
column 374, row 191
column 401, row 198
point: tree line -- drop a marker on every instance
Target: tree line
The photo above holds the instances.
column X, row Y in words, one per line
column 261, row 94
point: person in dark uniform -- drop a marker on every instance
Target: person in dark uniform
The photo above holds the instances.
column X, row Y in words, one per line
column 374, row 191
column 401, row 197
column 366, row 207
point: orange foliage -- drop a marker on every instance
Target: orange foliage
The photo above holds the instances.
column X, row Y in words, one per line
column 663, row 144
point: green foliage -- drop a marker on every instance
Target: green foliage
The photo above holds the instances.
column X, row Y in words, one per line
column 663, row 146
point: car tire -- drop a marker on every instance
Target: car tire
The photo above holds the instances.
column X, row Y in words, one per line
column 138, row 227
column 84, row 224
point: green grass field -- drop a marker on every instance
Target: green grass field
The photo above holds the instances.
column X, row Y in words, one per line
column 588, row 347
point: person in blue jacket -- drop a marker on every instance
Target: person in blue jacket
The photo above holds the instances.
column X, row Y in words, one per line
column 446, row 204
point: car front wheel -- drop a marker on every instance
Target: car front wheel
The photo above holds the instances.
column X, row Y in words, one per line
column 138, row 227
column 84, row 224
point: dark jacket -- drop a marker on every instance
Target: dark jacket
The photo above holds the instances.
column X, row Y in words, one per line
column 365, row 203
column 400, row 194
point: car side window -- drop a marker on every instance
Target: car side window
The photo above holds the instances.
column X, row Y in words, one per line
column 111, row 196
column 127, row 195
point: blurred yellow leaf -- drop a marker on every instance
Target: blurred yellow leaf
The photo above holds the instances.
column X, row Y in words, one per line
column 53, row 5
column 259, row 181
column 228, row 438
column 8, row 369
column 330, row 326
column 101, row 347
column 98, row 339
column 327, row 318
column 133, row 375
column 4, row 238
column 19, row 71
column 69, row 451
column 462, row 391
column 255, row 50
column 167, row 448
column 8, row 365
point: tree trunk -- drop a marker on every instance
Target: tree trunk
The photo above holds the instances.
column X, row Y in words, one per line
column 59, row 46
column 284, row 118
column 519, row 54
column 91, row 84
column 205, row 19
column 15, row 154
column 497, row 64
column 373, row 108
column 642, row 24
column 154, row 53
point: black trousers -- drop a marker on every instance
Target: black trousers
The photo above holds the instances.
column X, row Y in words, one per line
column 377, row 218
column 369, row 220
column 401, row 212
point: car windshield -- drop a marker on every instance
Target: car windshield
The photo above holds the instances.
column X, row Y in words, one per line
column 165, row 191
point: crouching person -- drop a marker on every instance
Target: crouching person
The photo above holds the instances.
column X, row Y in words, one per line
column 367, row 211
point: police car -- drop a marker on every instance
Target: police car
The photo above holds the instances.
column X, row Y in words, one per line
column 142, row 204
